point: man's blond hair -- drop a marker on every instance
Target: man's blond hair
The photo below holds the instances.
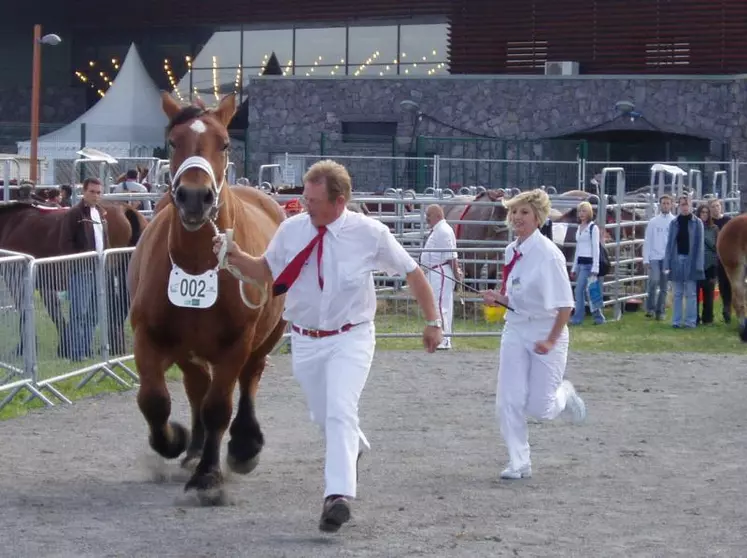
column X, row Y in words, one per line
column 334, row 175
column 537, row 199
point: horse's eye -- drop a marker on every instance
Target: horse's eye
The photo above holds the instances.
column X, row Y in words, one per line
column 226, row 146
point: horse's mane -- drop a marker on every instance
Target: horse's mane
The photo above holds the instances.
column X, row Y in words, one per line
column 186, row 114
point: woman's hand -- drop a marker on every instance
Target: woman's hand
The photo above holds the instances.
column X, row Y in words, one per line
column 493, row 298
column 543, row 347
column 573, row 275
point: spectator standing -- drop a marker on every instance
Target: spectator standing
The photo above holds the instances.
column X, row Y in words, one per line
column 585, row 269
column 85, row 231
column 654, row 250
column 684, row 263
column 706, row 286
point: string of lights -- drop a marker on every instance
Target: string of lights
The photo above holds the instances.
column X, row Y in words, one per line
column 99, row 79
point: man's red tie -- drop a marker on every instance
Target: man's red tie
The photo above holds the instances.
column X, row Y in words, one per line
column 289, row 275
column 507, row 269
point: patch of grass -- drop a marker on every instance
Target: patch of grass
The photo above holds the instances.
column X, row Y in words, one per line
column 634, row 333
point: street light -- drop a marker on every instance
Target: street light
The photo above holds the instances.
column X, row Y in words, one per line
column 51, row 40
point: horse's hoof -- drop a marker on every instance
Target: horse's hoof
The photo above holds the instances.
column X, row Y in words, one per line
column 209, row 487
column 242, row 467
column 173, row 446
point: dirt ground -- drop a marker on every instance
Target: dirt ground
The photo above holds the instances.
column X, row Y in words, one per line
column 655, row 471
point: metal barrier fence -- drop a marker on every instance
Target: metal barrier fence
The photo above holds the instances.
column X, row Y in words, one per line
column 378, row 173
column 65, row 318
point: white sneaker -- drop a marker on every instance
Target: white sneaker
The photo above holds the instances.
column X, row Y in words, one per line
column 515, row 474
column 574, row 403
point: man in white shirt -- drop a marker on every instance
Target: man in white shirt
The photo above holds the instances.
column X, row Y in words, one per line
column 654, row 249
column 324, row 259
column 132, row 186
column 440, row 257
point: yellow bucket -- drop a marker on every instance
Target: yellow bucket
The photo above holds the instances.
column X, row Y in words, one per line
column 494, row 313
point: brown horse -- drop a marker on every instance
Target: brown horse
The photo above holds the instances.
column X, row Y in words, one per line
column 467, row 233
column 732, row 251
column 222, row 342
column 41, row 232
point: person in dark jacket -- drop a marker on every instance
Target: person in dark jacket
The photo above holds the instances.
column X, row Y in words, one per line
column 684, row 262
column 85, row 231
column 724, row 287
column 706, row 285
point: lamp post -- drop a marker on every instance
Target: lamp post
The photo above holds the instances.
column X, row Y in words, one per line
column 51, row 40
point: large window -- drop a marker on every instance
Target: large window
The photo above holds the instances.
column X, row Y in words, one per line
column 320, row 52
column 423, row 49
column 373, row 50
column 259, row 46
column 230, row 58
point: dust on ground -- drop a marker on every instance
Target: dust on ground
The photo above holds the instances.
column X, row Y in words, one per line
column 656, row 470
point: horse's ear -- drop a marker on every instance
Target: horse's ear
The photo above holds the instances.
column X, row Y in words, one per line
column 169, row 105
column 226, row 109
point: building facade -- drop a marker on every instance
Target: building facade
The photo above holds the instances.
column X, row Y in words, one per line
column 362, row 59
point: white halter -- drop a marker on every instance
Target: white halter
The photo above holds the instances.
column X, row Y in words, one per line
column 197, row 162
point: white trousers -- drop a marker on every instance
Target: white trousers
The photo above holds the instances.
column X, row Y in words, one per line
column 528, row 385
column 443, row 291
column 332, row 372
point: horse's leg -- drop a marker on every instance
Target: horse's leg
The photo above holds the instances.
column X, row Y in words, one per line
column 736, row 273
column 168, row 438
column 217, row 407
column 247, row 440
column 196, row 384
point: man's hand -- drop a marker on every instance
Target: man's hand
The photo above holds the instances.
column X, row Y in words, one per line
column 493, row 298
column 432, row 337
column 234, row 255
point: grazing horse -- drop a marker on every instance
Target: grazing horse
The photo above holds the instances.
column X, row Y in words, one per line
column 732, row 251
column 42, row 232
column 467, row 233
column 227, row 338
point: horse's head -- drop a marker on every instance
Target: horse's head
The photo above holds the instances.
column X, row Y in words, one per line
column 199, row 146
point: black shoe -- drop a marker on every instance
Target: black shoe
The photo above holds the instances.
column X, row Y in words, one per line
column 727, row 318
column 335, row 512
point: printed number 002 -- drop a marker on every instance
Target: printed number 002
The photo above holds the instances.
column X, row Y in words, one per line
column 192, row 287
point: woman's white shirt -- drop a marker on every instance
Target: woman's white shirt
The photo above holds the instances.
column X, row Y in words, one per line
column 538, row 284
column 587, row 246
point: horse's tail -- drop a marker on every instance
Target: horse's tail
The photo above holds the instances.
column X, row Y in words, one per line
column 137, row 230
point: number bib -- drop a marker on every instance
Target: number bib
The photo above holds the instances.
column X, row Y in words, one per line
column 193, row 291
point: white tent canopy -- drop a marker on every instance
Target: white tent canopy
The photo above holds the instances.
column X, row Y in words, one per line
column 127, row 121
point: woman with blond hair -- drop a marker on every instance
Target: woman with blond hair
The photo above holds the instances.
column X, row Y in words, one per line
column 534, row 343
column 585, row 268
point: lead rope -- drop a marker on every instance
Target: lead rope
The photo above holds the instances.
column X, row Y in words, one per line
column 227, row 237
column 227, row 240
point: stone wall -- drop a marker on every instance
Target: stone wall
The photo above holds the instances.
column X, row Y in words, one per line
column 59, row 105
column 289, row 115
